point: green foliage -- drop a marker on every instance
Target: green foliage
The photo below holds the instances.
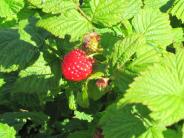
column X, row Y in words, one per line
column 177, row 10
column 83, row 116
column 140, row 55
column 2, row 82
column 37, row 71
column 18, row 119
column 144, row 58
column 155, row 3
column 10, row 44
column 169, row 133
column 121, row 123
column 178, row 35
column 99, row 10
column 72, row 100
column 80, row 134
column 7, row 131
column 155, row 26
column 124, row 49
column 9, row 8
column 54, row 6
column 129, row 121
column 161, row 86
column 152, row 132
column 70, row 23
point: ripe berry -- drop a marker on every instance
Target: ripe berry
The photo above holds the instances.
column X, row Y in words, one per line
column 76, row 65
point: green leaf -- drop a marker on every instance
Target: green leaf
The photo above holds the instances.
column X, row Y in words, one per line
column 121, row 122
column 129, row 121
column 169, row 133
column 36, row 2
column 39, row 78
column 125, row 28
column 40, row 67
column 80, row 134
column 152, row 132
column 183, row 131
column 155, row 3
column 9, row 8
column 7, row 131
column 82, row 97
column 108, row 40
column 145, row 57
column 72, row 100
column 54, row 6
column 15, row 53
column 83, row 116
column 132, row 8
column 155, row 26
column 39, row 71
column 178, row 35
column 71, row 23
column 177, row 10
column 103, row 11
column 7, row 23
column 18, row 119
column 122, row 79
column 124, row 49
column 161, row 88
column 94, row 92
column 95, row 75
column 29, row 33
column 2, row 82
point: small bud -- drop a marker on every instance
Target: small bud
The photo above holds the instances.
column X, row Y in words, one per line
column 91, row 41
column 102, row 83
column 98, row 134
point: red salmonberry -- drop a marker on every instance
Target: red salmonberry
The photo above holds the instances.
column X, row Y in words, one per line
column 76, row 66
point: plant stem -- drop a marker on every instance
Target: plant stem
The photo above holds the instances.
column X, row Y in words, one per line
column 83, row 14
